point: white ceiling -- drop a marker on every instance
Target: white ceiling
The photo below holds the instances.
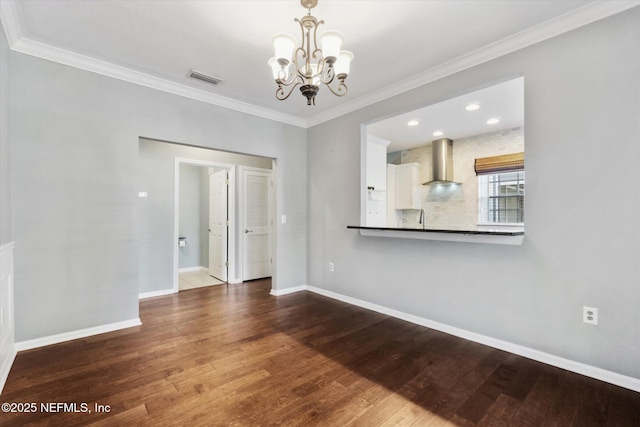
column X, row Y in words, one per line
column 503, row 101
column 397, row 44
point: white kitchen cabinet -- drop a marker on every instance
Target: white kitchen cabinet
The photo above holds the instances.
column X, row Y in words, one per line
column 407, row 186
column 376, row 181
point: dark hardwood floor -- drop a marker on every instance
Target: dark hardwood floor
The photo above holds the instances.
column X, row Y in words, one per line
column 237, row 356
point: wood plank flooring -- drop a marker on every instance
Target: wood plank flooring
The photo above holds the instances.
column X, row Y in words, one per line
column 236, row 356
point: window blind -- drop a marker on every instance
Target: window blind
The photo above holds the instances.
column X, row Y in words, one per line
column 496, row 164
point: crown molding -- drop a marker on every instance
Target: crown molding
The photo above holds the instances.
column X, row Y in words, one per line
column 72, row 59
column 19, row 43
column 10, row 22
column 562, row 24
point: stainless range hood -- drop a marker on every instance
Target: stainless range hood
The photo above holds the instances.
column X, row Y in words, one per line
column 442, row 158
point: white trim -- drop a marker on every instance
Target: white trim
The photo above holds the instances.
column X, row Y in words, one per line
column 190, row 269
column 233, row 271
column 144, row 295
column 586, row 15
column 625, row 381
column 364, row 159
column 285, row 291
column 562, row 24
column 6, row 368
column 20, row 43
column 7, row 345
column 242, row 215
column 232, row 236
column 275, row 213
column 74, row 335
column 10, row 22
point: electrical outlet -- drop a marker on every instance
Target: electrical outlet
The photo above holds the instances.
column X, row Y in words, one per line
column 330, row 266
column 590, row 315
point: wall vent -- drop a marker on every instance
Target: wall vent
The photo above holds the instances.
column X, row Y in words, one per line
column 205, row 78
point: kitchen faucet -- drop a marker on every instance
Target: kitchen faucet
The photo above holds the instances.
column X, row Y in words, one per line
column 423, row 218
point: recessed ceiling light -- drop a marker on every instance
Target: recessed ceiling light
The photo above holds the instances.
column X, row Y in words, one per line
column 413, row 123
column 438, row 133
column 493, row 121
column 472, row 107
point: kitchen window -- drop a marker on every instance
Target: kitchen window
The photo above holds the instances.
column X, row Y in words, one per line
column 501, row 198
column 501, row 189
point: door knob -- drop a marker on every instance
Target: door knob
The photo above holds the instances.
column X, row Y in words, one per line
column 248, row 231
column 209, row 230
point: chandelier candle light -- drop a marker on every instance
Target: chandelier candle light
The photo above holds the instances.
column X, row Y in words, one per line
column 310, row 67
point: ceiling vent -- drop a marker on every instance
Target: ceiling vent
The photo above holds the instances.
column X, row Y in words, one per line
column 205, row 78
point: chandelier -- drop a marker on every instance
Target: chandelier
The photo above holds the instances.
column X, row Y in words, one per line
column 309, row 67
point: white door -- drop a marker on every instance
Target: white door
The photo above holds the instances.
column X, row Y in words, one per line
column 218, row 226
column 256, row 230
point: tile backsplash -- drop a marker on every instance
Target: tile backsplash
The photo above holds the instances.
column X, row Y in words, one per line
column 455, row 207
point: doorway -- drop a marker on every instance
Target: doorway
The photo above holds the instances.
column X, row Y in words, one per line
column 158, row 190
column 216, row 224
column 256, row 219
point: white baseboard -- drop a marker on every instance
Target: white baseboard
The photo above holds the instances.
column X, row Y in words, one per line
column 625, row 381
column 7, row 344
column 152, row 294
column 6, row 368
column 74, row 335
column 190, row 269
column 285, row 291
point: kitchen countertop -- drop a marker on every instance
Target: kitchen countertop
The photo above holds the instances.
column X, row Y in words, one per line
column 430, row 230
column 464, row 236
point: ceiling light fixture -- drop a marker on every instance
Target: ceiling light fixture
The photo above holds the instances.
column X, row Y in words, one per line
column 438, row 133
column 493, row 121
column 311, row 66
column 413, row 123
column 472, row 107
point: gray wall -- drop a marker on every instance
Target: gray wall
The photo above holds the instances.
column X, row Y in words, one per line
column 582, row 245
column 5, row 150
column 190, row 215
column 74, row 141
column 156, row 176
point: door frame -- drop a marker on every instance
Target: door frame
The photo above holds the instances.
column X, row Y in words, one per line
column 231, row 203
column 243, row 213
